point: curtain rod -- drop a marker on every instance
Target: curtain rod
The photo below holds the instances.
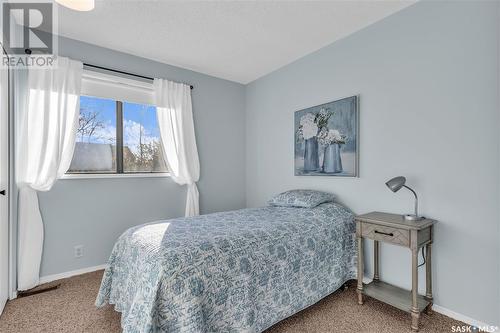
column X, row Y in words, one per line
column 28, row 51
column 122, row 72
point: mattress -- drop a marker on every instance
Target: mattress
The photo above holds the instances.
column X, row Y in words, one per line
column 236, row 271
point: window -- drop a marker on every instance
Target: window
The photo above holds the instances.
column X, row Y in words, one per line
column 95, row 148
column 142, row 148
column 117, row 137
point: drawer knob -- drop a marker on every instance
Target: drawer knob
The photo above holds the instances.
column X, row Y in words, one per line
column 384, row 233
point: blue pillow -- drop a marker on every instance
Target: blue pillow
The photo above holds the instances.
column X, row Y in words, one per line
column 301, row 198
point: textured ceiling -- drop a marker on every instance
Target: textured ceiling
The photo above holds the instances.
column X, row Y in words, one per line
column 235, row 40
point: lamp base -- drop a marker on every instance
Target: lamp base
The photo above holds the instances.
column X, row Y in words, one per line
column 412, row 217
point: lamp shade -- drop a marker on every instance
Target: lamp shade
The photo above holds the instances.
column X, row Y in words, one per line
column 396, row 183
column 79, row 5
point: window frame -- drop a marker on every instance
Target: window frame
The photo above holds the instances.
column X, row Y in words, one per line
column 73, row 176
column 115, row 82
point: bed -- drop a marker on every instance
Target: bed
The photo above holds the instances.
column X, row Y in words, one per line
column 236, row 271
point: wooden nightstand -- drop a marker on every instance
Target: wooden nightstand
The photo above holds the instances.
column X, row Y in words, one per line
column 393, row 229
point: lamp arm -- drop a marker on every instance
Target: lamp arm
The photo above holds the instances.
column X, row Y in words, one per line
column 416, row 198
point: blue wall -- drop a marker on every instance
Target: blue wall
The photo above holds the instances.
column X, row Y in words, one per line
column 427, row 78
column 94, row 212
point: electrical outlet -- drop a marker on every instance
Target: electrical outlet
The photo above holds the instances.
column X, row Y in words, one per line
column 78, row 251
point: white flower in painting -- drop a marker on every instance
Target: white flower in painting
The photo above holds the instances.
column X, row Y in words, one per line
column 308, row 126
column 331, row 136
column 334, row 135
column 309, row 131
column 308, row 118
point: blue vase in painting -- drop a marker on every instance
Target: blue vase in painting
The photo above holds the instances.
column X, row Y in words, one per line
column 311, row 158
column 332, row 161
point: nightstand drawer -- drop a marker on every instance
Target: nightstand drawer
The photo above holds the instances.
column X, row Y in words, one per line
column 385, row 234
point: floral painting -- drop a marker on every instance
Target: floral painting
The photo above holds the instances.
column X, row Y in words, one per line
column 326, row 139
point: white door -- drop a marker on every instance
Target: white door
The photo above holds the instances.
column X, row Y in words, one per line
column 4, row 181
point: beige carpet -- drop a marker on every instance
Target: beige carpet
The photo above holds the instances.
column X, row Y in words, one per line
column 71, row 309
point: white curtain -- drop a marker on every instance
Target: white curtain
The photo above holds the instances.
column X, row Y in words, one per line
column 46, row 135
column 175, row 119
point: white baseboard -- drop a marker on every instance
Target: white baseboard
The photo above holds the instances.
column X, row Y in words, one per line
column 64, row 275
column 459, row 316
column 449, row 313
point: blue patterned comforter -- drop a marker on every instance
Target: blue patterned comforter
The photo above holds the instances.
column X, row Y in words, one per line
column 237, row 271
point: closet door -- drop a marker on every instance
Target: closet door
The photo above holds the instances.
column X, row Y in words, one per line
column 4, row 181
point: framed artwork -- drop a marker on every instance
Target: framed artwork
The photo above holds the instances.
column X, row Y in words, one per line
column 326, row 139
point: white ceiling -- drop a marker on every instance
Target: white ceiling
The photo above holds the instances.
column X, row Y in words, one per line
column 235, row 40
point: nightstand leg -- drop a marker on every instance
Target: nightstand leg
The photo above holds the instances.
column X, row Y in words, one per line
column 360, row 270
column 415, row 314
column 375, row 260
column 428, row 276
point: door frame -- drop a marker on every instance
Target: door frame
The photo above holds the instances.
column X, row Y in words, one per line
column 5, row 259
